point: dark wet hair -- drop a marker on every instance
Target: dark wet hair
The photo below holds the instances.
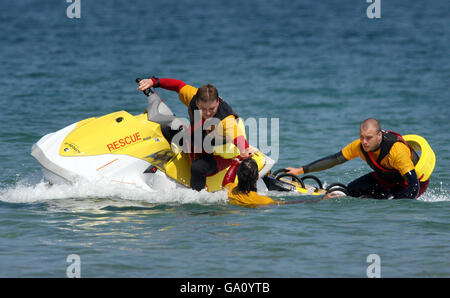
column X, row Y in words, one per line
column 207, row 93
column 247, row 175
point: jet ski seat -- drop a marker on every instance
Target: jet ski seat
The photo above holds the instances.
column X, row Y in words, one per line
column 159, row 112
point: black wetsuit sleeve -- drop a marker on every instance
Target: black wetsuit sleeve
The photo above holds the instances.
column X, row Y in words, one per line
column 325, row 163
column 413, row 187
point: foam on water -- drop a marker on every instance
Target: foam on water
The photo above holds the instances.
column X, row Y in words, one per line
column 24, row 192
column 126, row 195
column 435, row 195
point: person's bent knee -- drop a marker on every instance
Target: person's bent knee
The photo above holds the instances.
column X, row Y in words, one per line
column 199, row 168
column 363, row 186
column 356, row 188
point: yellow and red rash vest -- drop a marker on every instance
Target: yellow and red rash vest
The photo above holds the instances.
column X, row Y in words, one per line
column 228, row 127
column 252, row 198
column 391, row 161
column 236, row 197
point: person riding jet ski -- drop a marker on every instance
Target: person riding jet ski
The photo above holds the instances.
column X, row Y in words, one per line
column 208, row 113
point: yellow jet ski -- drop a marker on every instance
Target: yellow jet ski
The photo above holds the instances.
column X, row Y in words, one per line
column 128, row 149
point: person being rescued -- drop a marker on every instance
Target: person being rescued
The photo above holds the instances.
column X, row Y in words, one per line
column 204, row 106
column 387, row 153
column 244, row 193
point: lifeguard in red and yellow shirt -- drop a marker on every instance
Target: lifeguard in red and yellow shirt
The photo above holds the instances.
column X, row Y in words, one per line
column 204, row 105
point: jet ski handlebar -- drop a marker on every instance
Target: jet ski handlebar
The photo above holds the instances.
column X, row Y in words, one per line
column 146, row 91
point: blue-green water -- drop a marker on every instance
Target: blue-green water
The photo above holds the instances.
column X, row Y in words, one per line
column 321, row 67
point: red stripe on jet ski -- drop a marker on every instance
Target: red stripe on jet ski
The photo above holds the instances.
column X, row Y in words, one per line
column 107, row 164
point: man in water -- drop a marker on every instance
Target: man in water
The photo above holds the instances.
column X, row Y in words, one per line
column 204, row 104
column 391, row 158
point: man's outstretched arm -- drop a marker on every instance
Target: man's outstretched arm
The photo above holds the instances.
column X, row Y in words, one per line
column 319, row 165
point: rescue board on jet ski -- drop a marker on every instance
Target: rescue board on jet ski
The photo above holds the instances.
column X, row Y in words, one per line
column 281, row 181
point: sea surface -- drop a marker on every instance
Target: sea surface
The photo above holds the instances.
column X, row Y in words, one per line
column 319, row 67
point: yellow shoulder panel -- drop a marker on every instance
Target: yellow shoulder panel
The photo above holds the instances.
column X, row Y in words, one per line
column 187, row 93
column 427, row 161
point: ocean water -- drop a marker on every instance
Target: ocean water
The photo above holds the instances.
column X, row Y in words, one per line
column 319, row 67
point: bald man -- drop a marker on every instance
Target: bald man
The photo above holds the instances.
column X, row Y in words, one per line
column 391, row 158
